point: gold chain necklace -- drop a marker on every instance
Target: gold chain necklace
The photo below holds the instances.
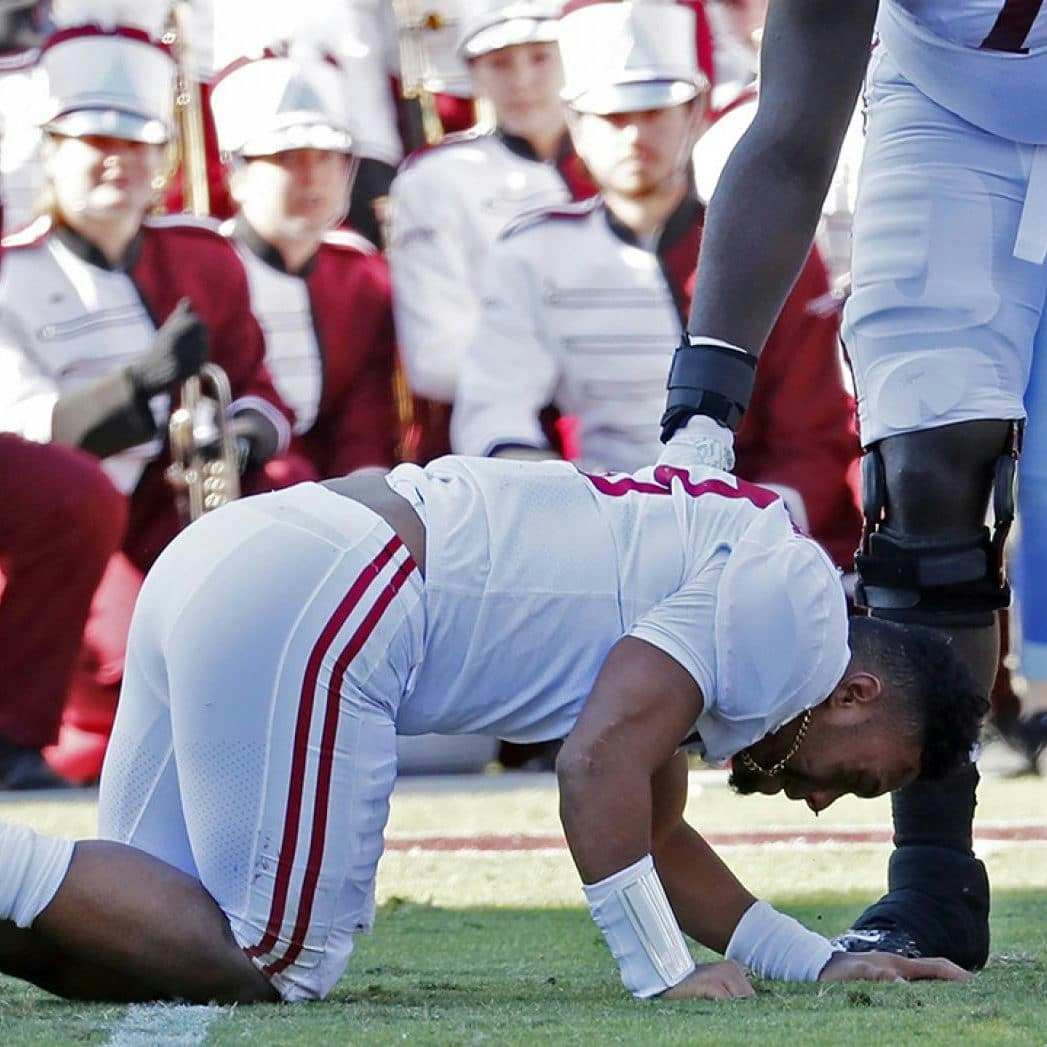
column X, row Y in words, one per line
column 750, row 764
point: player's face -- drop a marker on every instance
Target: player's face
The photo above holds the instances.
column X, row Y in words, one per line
column 830, row 764
column 96, row 177
column 640, row 153
column 299, row 194
column 523, row 84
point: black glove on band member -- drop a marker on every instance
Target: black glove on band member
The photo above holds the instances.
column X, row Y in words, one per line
column 178, row 350
column 256, row 437
column 113, row 413
column 103, row 418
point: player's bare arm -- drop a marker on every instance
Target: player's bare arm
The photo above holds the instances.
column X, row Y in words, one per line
column 642, row 704
column 763, row 215
column 764, row 212
column 693, row 873
column 690, row 869
column 622, row 794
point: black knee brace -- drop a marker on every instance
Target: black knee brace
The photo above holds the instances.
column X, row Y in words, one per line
column 943, row 582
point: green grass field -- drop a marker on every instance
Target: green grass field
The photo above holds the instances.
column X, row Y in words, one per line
column 495, row 947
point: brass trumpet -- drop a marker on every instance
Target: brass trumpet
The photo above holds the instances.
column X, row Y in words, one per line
column 203, row 481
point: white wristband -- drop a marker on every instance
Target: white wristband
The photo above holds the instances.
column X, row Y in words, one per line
column 773, row 945
column 631, row 909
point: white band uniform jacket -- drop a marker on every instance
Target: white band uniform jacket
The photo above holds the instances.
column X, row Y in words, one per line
column 449, row 206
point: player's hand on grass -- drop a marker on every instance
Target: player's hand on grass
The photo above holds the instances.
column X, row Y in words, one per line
column 889, row 967
column 712, row 981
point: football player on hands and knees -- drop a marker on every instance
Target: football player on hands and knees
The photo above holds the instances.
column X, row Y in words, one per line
column 292, row 636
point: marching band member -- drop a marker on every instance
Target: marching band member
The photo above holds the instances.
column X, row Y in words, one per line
column 322, row 297
column 362, row 36
column 450, row 203
column 105, row 310
column 582, row 302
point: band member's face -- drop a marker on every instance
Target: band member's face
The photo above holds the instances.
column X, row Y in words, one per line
column 297, row 194
column 523, row 84
column 97, row 177
column 639, row 153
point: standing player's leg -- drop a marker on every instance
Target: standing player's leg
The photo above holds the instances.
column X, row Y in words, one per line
column 937, row 485
column 939, row 328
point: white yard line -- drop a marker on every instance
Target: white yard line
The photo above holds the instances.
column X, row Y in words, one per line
column 163, row 1025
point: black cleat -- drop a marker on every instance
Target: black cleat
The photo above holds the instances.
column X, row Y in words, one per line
column 878, row 940
column 937, row 902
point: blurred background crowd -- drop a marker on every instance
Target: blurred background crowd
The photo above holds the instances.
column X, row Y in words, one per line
column 249, row 243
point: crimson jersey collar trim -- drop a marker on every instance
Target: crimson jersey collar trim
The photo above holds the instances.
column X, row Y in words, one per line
column 88, row 252
column 246, row 234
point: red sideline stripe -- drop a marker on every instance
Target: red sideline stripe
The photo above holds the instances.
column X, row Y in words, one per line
column 303, row 724
column 718, row 838
column 323, row 783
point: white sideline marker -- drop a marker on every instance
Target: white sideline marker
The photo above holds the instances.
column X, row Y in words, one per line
column 163, row 1025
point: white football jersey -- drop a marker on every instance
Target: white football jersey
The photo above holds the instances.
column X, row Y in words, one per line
column 534, row 570
column 970, row 22
column 984, row 60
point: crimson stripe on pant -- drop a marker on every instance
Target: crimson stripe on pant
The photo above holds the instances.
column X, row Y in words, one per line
column 323, row 784
column 303, row 725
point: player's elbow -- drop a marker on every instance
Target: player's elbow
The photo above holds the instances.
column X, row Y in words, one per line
column 579, row 773
column 573, row 767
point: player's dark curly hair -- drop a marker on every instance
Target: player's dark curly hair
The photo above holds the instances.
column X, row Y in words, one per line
column 929, row 689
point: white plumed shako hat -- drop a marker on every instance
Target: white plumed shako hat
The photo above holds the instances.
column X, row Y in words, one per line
column 276, row 103
column 490, row 25
column 116, row 81
column 623, row 57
